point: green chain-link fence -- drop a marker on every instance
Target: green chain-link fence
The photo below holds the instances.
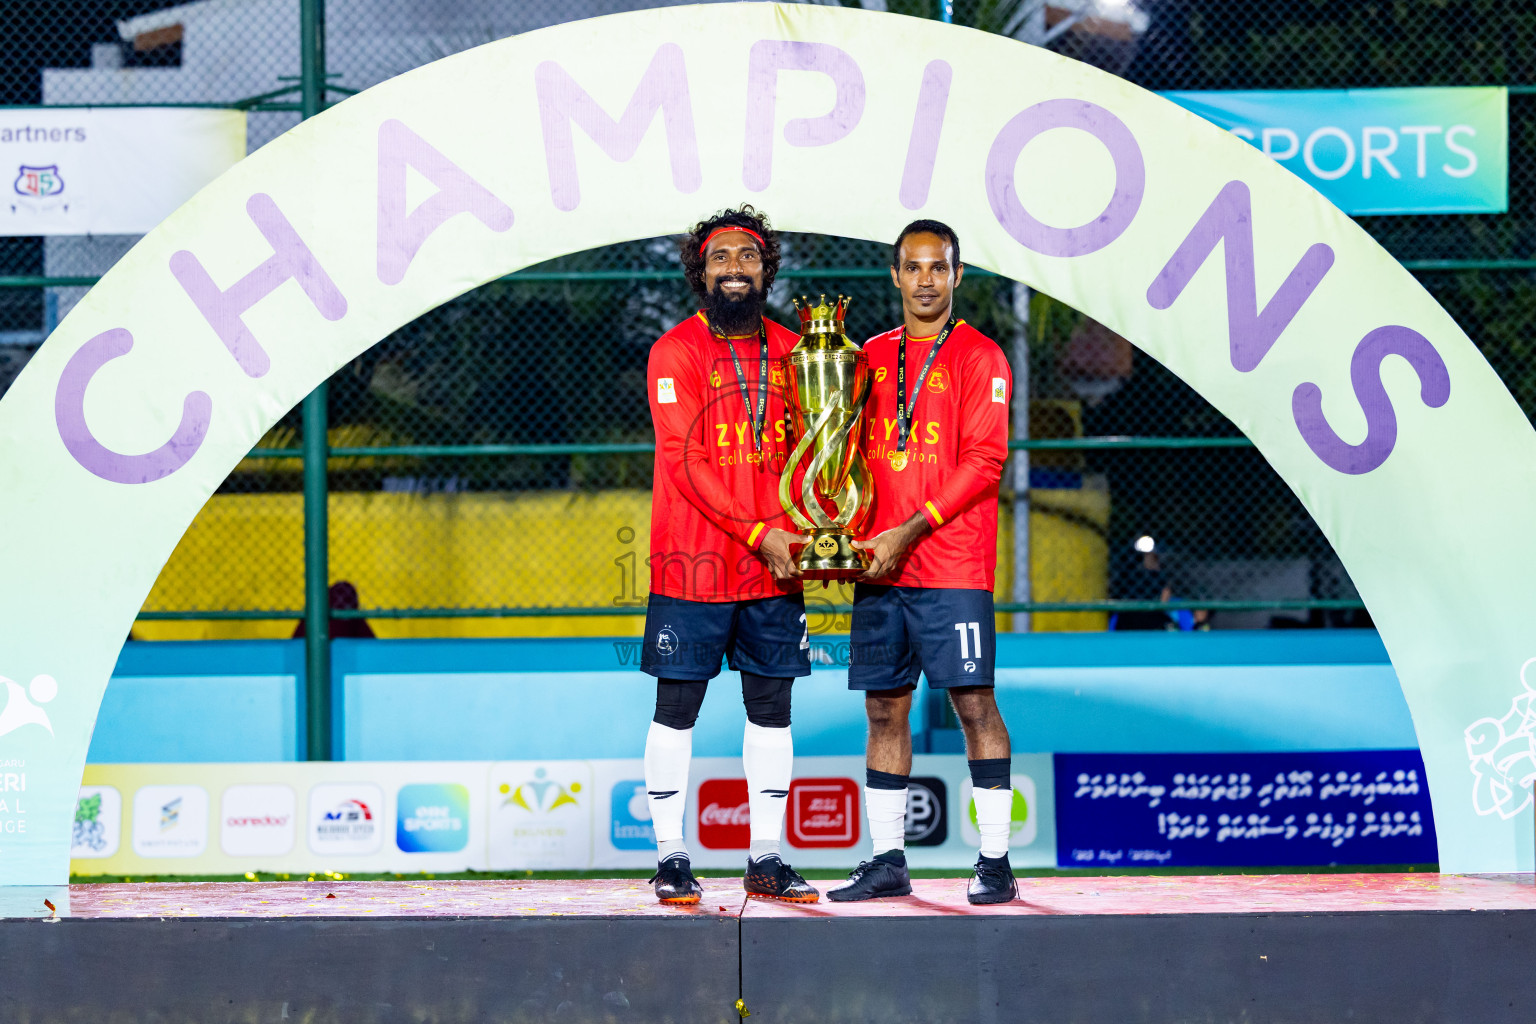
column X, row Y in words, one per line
column 490, row 463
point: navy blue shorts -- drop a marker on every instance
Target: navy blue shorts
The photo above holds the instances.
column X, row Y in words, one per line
column 899, row 632
column 687, row 639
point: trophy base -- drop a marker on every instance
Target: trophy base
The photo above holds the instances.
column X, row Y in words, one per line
column 831, row 556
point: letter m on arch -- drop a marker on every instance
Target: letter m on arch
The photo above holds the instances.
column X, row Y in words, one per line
column 663, row 88
column 1228, row 222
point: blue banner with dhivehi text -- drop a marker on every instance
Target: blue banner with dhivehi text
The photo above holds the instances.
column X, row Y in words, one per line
column 1374, row 151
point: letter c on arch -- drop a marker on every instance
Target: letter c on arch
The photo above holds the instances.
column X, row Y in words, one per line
column 91, row 454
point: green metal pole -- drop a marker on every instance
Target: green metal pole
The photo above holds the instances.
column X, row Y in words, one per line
column 317, row 605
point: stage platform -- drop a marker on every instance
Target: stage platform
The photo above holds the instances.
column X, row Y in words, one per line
column 1106, row 950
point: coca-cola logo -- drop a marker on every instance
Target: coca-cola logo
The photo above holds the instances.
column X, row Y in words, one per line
column 714, row 814
column 724, row 817
column 823, row 813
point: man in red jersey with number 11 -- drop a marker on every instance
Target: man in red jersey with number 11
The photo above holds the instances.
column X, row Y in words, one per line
column 936, row 439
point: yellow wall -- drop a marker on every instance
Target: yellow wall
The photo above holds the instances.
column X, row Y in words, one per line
column 517, row 549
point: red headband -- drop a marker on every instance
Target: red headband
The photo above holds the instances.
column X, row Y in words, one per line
column 732, row 227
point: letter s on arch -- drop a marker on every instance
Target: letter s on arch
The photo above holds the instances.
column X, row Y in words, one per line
column 1380, row 418
column 69, row 415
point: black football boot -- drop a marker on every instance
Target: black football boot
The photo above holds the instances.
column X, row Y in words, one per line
column 873, row 879
column 993, row 882
column 675, row 882
column 771, row 879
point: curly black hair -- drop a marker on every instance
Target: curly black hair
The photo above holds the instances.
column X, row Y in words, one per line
column 744, row 216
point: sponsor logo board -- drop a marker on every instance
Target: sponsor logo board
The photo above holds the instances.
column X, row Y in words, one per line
column 629, row 825
column 170, row 821
column 724, row 815
column 346, row 818
column 257, row 820
column 1024, row 823
column 433, row 818
column 823, row 813
column 98, row 825
column 540, row 815
column 927, row 811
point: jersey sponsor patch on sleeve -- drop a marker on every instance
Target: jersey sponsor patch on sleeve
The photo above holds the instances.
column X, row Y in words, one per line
column 1000, row 390
column 666, row 391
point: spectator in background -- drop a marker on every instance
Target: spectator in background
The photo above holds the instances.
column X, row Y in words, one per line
column 1141, row 577
column 343, row 597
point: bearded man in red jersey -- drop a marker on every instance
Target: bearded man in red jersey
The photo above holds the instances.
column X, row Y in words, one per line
column 936, row 438
column 724, row 572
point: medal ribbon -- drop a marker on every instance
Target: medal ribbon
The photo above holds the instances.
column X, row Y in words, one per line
column 904, row 409
column 760, row 415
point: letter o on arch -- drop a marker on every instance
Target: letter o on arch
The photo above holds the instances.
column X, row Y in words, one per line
column 1130, row 177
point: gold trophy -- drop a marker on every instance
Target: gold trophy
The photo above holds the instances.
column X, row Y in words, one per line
column 828, row 387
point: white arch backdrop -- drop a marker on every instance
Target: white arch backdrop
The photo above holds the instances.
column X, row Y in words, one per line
column 1421, row 469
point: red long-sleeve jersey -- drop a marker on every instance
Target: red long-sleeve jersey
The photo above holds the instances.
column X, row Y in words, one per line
column 715, row 495
column 957, row 444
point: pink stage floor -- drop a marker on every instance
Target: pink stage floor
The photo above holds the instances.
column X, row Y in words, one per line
column 1140, row 895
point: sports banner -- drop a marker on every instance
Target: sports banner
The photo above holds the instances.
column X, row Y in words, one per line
column 109, row 170
column 556, row 815
column 1424, row 150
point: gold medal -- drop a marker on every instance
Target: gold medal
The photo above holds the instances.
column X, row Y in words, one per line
column 899, row 461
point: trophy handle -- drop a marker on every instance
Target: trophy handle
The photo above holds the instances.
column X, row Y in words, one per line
column 859, row 492
column 820, row 459
column 786, row 482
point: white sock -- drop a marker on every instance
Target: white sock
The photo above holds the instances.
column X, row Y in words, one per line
column 768, row 755
column 887, row 813
column 994, row 815
column 667, row 753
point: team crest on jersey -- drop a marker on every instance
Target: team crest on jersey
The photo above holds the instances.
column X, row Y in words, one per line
column 776, row 376
column 938, row 380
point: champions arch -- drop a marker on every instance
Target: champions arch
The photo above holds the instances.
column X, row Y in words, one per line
column 1276, row 307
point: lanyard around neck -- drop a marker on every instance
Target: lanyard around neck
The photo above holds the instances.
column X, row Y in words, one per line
column 905, row 409
column 760, row 414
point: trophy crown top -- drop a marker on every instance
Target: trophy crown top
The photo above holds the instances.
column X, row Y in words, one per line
column 822, row 315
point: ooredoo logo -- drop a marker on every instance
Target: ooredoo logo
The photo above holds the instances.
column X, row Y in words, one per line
column 823, row 813
column 257, row 820
column 724, row 818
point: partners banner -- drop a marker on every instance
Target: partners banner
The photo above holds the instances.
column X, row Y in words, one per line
column 1370, row 151
column 111, row 171
column 557, row 815
column 1297, row 808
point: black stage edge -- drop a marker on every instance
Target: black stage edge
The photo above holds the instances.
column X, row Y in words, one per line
column 1397, row 967
column 370, row 970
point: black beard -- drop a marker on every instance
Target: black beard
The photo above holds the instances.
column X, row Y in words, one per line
column 734, row 315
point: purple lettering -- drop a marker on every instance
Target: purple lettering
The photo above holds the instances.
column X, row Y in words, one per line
column 400, row 235
column 69, row 415
column 664, row 87
column 768, row 57
column 1130, row 177
column 1228, row 222
column 927, row 124
column 291, row 260
column 1380, row 419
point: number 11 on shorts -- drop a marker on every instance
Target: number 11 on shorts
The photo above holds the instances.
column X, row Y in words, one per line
column 965, row 639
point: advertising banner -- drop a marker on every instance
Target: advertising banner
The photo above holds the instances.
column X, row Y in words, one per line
column 109, row 171
column 1206, row 810
column 414, row 816
column 1426, row 150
